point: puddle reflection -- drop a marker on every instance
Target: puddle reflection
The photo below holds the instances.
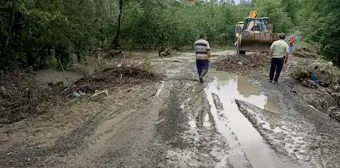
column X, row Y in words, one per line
column 224, row 90
column 237, row 87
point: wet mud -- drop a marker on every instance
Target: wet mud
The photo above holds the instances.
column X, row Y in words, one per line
column 230, row 121
column 299, row 129
column 224, row 91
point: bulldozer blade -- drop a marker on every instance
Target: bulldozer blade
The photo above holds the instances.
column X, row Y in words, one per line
column 257, row 42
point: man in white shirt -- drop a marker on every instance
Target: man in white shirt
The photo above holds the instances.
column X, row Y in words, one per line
column 203, row 55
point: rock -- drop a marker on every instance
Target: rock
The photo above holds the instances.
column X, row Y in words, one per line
column 329, row 90
column 309, row 83
column 75, row 94
column 336, row 96
column 336, row 88
column 335, row 115
column 331, row 109
column 81, row 93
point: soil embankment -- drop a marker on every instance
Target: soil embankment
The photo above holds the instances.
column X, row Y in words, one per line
column 22, row 96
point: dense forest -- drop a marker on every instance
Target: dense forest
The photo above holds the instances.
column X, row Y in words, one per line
column 34, row 31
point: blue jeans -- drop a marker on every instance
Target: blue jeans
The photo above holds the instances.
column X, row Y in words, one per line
column 291, row 48
column 202, row 65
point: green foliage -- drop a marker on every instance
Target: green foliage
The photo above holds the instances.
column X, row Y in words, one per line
column 177, row 24
column 275, row 11
column 39, row 30
column 291, row 7
column 320, row 24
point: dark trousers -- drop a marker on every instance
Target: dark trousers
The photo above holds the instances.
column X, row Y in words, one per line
column 202, row 65
column 276, row 68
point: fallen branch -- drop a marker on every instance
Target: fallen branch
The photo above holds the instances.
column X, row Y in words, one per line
column 101, row 92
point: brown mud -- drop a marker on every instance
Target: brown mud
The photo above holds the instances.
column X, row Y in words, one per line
column 324, row 96
column 229, row 121
column 243, row 63
column 21, row 95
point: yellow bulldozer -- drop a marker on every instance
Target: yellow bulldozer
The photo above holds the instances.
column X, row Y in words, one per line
column 256, row 35
column 238, row 29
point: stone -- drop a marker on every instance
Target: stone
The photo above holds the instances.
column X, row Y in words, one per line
column 335, row 115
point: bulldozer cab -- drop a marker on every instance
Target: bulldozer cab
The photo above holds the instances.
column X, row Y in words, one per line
column 256, row 24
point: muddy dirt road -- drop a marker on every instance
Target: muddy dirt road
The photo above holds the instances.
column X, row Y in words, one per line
column 230, row 121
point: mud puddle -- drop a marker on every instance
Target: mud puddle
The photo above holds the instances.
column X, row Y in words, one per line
column 221, row 94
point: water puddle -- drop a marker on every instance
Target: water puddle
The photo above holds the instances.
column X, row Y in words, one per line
column 221, row 94
column 232, row 86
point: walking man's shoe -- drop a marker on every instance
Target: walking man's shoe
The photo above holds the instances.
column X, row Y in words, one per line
column 275, row 82
column 201, row 79
column 270, row 81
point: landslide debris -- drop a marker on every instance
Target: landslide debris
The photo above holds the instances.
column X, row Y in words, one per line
column 114, row 76
column 306, row 52
column 22, row 96
column 326, row 74
column 324, row 91
column 243, row 63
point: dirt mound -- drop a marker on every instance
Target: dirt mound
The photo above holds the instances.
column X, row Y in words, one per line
column 243, row 63
column 325, row 92
column 306, row 52
column 326, row 74
column 114, row 76
column 319, row 98
column 22, row 96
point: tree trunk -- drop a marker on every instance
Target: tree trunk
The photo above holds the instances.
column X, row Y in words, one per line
column 9, row 34
column 115, row 42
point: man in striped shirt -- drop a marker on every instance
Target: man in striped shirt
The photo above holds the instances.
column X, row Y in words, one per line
column 202, row 49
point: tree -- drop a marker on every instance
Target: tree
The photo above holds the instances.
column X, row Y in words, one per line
column 321, row 26
column 275, row 12
column 291, row 7
column 115, row 42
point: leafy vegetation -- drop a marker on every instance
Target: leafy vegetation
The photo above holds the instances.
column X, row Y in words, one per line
column 320, row 25
column 32, row 32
